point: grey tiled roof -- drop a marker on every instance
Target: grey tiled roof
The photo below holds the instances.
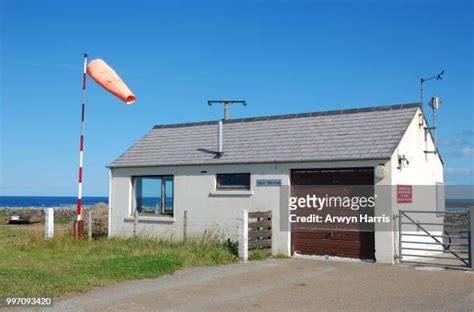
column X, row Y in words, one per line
column 354, row 134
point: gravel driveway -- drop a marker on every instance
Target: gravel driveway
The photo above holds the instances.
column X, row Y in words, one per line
column 287, row 285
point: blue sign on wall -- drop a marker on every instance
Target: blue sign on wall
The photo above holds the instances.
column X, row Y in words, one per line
column 269, row 182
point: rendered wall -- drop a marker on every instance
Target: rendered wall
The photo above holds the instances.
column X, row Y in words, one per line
column 208, row 209
column 422, row 173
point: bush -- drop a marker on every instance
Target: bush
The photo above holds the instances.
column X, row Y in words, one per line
column 232, row 247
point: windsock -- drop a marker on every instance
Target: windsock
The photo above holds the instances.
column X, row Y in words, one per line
column 105, row 76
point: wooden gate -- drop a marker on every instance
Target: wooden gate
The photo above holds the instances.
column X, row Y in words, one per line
column 260, row 231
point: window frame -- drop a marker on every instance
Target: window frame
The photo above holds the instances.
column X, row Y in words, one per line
column 163, row 212
column 236, row 188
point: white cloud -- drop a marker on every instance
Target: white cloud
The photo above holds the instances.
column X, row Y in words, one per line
column 467, row 151
column 460, row 171
column 452, row 141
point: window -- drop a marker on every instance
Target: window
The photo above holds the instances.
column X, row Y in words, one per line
column 238, row 181
column 153, row 195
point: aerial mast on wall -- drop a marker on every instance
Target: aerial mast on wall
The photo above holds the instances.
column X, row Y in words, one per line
column 423, row 80
column 435, row 104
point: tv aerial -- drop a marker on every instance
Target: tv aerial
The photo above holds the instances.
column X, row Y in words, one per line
column 226, row 104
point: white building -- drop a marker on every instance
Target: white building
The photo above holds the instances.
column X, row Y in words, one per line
column 177, row 168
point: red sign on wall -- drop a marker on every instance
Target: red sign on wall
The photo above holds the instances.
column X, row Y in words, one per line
column 404, row 194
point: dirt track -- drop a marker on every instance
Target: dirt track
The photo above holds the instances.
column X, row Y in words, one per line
column 287, row 285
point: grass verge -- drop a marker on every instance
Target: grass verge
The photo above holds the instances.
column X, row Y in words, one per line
column 33, row 267
column 258, row 255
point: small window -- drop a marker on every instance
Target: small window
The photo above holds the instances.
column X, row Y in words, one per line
column 153, row 195
column 238, row 181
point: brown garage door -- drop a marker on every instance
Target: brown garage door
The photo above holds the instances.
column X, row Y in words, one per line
column 344, row 240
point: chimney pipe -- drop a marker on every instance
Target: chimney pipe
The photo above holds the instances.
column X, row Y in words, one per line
column 219, row 137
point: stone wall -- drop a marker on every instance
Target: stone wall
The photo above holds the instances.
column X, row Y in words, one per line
column 60, row 213
column 68, row 214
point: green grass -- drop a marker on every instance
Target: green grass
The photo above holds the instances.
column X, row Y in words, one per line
column 258, row 255
column 31, row 266
column 61, row 221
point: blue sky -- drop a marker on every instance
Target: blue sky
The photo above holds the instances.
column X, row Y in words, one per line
column 281, row 56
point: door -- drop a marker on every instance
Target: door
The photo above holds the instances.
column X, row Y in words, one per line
column 334, row 239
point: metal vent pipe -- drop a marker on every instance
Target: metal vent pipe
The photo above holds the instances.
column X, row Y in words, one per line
column 219, row 137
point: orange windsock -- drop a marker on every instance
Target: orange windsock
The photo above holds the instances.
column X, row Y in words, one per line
column 105, row 76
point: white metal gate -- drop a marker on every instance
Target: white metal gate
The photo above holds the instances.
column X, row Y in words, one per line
column 433, row 238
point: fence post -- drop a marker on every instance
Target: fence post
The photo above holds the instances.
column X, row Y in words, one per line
column 400, row 234
column 185, row 225
column 135, row 223
column 89, row 226
column 244, row 236
column 471, row 237
column 48, row 223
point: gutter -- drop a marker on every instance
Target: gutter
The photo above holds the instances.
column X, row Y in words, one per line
column 244, row 163
column 109, row 221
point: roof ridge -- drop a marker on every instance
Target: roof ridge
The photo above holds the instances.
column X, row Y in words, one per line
column 297, row 115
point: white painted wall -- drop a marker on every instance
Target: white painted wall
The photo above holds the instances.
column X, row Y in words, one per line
column 208, row 209
column 424, row 168
column 423, row 172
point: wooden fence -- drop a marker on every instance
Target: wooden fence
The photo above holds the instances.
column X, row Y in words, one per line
column 260, row 231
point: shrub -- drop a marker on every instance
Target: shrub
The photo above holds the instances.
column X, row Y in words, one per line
column 232, row 247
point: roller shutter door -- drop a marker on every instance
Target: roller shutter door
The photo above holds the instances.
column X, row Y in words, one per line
column 312, row 239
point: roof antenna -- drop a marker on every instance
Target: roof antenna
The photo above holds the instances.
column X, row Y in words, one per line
column 423, row 80
column 435, row 104
column 226, row 104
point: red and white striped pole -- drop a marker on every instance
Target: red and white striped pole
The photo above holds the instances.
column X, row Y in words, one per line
column 79, row 224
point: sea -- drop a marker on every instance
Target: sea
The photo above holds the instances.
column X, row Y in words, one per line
column 49, row 201
column 65, row 201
